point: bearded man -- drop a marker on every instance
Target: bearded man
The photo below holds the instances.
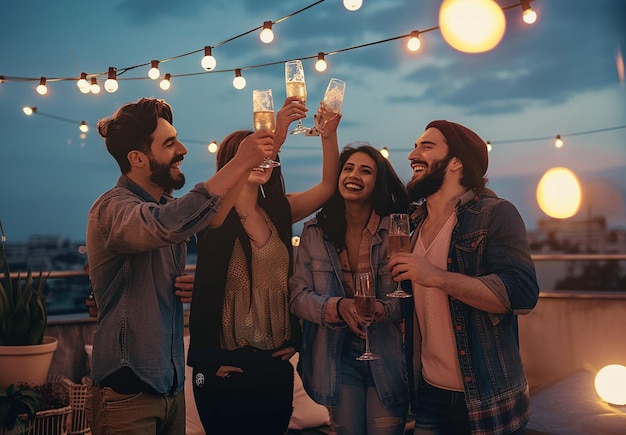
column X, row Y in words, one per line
column 471, row 275
column 137, row 238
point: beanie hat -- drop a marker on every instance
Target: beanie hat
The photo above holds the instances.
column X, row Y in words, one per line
column 464, row 144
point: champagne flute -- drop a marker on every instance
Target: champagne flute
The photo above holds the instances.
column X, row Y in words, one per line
column 296, row 87
column 263, row 116
column 399, row 241
column 333, row 98
column 365, row 305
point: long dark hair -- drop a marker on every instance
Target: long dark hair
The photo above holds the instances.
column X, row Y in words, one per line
column 389, row 195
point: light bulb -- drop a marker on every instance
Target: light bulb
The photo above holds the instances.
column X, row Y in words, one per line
column 239, row 82
column 29, row 110
column 83, row 127
column 95, row 87
column 42, row 88
column 267, row 35
column 212, row 147
column 82, row 83
column 385, row 152
column 111, row 85
column 610, row 383
column 154, row 72
column 320, row 64
column 353, row 5
column 471, row 26
column 166, row 83
column 528, row 15
column 558, row 142
column 489, row 147
column 414, row 43
column 208, row 62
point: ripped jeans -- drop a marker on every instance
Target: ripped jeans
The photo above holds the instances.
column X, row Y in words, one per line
column 359, row 411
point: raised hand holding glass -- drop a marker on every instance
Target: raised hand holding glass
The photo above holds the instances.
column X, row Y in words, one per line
column 296, row 87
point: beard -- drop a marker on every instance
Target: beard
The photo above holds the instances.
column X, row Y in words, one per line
column 431, row 183
column 161, row 174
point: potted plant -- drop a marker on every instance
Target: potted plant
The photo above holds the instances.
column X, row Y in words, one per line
column 25, row 354
column 37, row 410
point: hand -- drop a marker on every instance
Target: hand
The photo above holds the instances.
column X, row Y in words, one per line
column 254, row 148
column 225, row 371
column 285, row 354
column 326, row 121
column 347, row 310
column 410, row 266
column 183, row 285
column 292, row 110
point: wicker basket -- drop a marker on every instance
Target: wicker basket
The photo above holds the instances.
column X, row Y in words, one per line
column 77, row 394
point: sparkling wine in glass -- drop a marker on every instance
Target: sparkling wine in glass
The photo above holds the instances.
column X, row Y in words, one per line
column 263, row 116
column 296, row 87
column 365, row 304
column 399, row 241
column 333, row 99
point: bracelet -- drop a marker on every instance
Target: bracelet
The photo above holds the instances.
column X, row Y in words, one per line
column 337, row 308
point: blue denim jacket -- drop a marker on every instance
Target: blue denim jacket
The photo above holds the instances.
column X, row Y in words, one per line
column 488, row 242
column 136, row 248
column 317, row 277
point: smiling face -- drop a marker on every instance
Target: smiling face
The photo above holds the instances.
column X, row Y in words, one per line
column 165, row 157
column 357, row 178
column 429, row 161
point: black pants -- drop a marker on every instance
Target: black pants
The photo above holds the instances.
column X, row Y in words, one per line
column 259, row 400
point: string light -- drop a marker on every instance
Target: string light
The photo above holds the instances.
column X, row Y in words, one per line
column 83, row 127
column 489, row 147
column 82, row 83
column 414, row 43
column 266, row 34
column 558, row 142
column 528, row 14
column 320, row 64
column 111, row 85
column 208, row 62
column 94, row 88
column 166, row 83
column 28, row 111
column 352, row 5
column 42, row 89
column 212, row 147
column 239, row 82
column 385, row 152
column 154, row 72
column 471, row 26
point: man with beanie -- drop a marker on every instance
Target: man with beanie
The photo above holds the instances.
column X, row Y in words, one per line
column 471, row 275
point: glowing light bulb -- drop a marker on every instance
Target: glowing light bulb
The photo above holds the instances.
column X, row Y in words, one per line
column 83, row 127
column 353, row 5
column 208, row 62
column 558, row 193
column 212, row 147
column 154, row 72
column 489, row 147
column 414, row 43
column 385, row 152
column 42, row 89
column 471, row 26
column 95, row 87
column 528, row 15
column 28, row 111
column 166, row 83
column 320, row 64
column 610, row 383
column 295, row 241
column 558, row 142
column 239, row 82
column 82, row 83
column 267, row 35
column 111, row 85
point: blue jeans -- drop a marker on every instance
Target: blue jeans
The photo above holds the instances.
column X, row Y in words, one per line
column 359, row 411
column 440, row 412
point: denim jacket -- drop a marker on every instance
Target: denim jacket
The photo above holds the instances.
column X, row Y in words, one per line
column 489, row 241
column 136, row 248
column 317, row 277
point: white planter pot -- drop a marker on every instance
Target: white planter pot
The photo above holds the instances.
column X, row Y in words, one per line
column 26, row 364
